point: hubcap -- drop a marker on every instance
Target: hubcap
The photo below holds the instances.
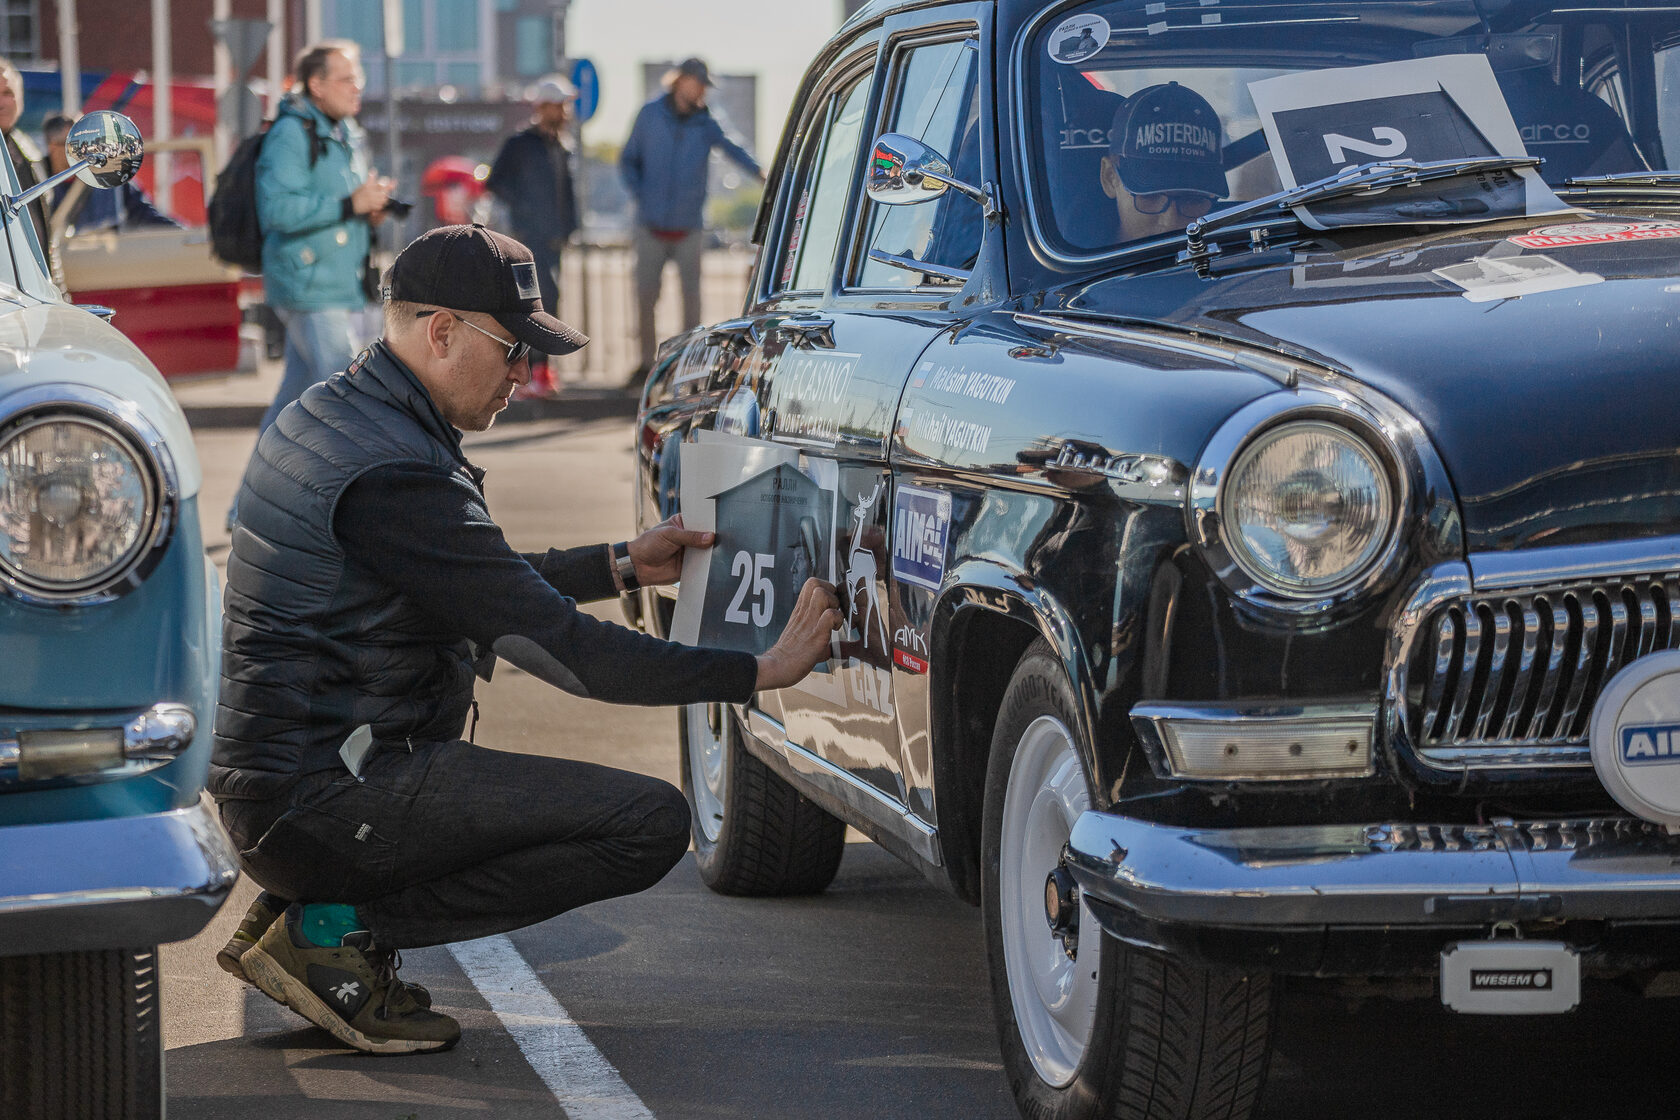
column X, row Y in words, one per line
column 708, row 776
column 1052, row 989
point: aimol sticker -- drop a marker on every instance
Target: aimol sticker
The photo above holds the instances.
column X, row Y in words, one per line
column 1643, row 744
column 921, row 522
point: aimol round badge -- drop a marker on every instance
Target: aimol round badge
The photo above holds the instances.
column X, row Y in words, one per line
column 1635, row 737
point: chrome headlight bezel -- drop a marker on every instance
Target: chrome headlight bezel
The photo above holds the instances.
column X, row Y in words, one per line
column 123, row 421
column 1207, row 499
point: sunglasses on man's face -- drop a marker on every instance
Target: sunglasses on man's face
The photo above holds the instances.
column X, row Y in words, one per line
column 516, row 351
column 1191, row 204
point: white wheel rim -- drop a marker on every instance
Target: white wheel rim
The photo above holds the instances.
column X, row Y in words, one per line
column 1055, row 999
column 708, row 777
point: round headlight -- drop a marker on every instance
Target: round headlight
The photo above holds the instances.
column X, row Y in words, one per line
column 78, row 503
column 1307, row 508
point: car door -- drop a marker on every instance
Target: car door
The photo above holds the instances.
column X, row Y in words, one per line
column 826, row 356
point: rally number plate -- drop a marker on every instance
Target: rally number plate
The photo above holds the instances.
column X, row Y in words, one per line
column 1510, row 977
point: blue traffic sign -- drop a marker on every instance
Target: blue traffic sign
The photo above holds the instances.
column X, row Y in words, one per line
column 588, row 83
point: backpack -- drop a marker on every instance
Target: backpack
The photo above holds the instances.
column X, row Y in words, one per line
column 235, row 234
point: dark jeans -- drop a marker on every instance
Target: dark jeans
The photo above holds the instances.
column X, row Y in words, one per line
column 455, row 841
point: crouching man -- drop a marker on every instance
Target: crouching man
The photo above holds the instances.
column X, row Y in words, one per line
column 366, row 584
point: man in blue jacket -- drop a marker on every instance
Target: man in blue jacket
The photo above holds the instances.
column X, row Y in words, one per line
column 317, row 201
column 664, row 165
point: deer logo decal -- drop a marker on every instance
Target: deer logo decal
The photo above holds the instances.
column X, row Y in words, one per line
column 863, row 600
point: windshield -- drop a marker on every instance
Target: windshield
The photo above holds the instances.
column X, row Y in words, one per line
column 1143, row 120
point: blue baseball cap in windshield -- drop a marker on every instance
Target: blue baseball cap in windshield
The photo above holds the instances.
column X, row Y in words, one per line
column 1166, row 138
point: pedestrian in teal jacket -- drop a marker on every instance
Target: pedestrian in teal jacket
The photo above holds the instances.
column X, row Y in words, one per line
column 317, row 201
column 313, row 243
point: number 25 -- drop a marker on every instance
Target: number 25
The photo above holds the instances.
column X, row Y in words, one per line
column 753, row 568
column 1385, row 143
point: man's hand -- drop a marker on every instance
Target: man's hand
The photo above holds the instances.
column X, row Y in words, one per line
column 658, row 552
column 805, row 641
column 372, row 195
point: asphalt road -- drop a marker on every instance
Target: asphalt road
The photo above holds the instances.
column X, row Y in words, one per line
column 870, row 1000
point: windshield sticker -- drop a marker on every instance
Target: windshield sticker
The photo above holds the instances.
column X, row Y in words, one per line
column 1485, row 279
column 1078, row 38
column 1595, row 233
column 921, row 524
column 961, row 381
column 1324, row 122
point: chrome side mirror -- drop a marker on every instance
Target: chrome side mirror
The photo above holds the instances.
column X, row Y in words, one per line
column 904, row 171
column 107, row 145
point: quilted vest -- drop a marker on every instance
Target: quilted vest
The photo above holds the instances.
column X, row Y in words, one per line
column 315, row 646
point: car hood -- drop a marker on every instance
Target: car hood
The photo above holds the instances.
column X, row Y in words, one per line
column 1549, row 408
column 46, row 346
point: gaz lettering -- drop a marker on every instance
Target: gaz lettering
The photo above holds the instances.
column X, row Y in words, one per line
column 871, row 686
column 1643, row 744
column 921, row 521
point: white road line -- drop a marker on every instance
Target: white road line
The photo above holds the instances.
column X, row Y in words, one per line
column 580, row 1077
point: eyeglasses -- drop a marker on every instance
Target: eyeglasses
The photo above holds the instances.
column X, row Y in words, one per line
column 516, row 351
column 1192, row 204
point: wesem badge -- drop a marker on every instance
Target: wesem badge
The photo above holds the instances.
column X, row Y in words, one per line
column 921, row 522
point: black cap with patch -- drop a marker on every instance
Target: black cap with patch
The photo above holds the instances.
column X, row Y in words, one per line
column 470, row 268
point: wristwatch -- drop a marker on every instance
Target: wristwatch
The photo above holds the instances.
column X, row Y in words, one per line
column 623, row 568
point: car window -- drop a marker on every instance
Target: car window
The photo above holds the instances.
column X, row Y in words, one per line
column 938, row 103
column 1091, row 70
column 25, row 251
column 821, row 187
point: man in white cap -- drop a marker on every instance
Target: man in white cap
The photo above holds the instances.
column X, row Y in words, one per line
column 532, row 177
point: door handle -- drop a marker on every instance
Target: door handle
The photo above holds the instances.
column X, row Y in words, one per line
column 809, row 330
column 739, row 332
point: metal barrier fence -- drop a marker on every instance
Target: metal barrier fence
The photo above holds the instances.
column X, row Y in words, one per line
column 597, row 295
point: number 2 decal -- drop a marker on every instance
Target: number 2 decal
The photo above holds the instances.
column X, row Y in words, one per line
column 753, row 569
column 1385, row 143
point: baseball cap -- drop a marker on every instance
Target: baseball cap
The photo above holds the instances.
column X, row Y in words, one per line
column 552, row 88
column 1166, row 138
column 470, row 268
column 695, row 68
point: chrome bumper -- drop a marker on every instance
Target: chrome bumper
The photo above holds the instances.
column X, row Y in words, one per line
column 1380, row 875
column 125, row 882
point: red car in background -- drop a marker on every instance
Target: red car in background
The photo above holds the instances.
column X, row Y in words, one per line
column 172, row 298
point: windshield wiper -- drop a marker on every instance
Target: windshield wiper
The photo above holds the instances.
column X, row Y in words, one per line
column 1630, row 185
column 1348, row 181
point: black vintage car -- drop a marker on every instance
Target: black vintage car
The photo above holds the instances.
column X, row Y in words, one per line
column 1257, row 514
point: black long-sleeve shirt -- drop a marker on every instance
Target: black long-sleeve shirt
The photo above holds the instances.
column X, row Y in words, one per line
column 449, row 557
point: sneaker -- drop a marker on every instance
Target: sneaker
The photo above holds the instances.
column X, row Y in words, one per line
column 257, row 920
column 351, row 991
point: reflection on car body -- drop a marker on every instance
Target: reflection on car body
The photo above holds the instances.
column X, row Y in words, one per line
column 1264, row 599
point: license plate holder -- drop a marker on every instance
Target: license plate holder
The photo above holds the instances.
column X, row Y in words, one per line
column 1509, row 977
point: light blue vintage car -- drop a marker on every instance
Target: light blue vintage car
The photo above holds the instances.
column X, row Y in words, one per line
column 109, row 651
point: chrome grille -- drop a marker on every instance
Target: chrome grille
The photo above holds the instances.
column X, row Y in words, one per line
column 1523, row 669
